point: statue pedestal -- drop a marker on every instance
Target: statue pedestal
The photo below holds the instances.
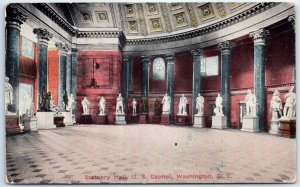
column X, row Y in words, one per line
column 156, row 119
column 101, row 119
column 287, row 127
column 120, row 119
column 219, row 122
column 250, row 124
column 73, row 119
column 12, row 124
column 274, row 127
column 198, row 121
column 30, row 123
column 134, row 118
column 68, row 118
column 85, row 119
column 165, row 119
column 59, row 121
column 144, row 119
column 45, row 120
column 182, row 120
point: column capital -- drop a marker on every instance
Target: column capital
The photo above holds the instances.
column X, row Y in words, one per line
column 145, row 59
column 170, row 58
column 74, row 50
column 126, row 58
column 43, row 35
column 62, row 47
column 259, row 36
column 196, row 52
column 226, row 46
column 14, row 18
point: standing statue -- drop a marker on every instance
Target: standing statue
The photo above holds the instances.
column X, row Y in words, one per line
column 65, row 100
column 289, row 110
column 219, row 107
column 276, row 106
column 200, row 104
column 120, row 106
column 8, row 94
column 71, row 103
column 85, row 105
column 166, row 104
column 102, row 104
column 27, row 100
column 134, row 105
column 250, row 104
column 157, row 108
column 144, row 105
column 182, row 105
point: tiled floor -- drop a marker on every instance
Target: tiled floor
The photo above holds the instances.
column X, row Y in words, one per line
column 149, row 154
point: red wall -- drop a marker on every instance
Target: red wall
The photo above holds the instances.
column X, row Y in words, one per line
column 183, row 72
column 53, row 73
column 108, row 77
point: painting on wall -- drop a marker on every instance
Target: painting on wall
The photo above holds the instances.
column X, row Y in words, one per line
column 25, row 98
column 27, row 48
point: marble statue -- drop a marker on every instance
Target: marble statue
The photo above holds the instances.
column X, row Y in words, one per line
column 102, row 104
column 85, row 105
column 8, row 94
column 65, row 100
column 134, row 104
column 27, row 100
column 166, row 104
column 289, row 110
column 120, row 106
column 182, row 105
column 219, row 107
column 276, row 106
column 200, row 104
column 250, row 104
column 71, row 103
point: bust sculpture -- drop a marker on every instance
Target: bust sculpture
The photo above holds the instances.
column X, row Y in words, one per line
column 71, row 103
column 85, row 105
column 200, row 104
column 289, row 110
column 119, row 105
column 276, row 106
column 219, row 107
column 166, row 101
column 134, row 105
column 102, row 104
column 8, row 94
column 182, row 105
column 250, row 104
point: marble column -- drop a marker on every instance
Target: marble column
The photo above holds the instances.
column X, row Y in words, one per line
column 291, row 19
column 14, row 20
column 225, row 48
column 125, row 80
column 196, row 78
column 170, row 59
column 74, row 59
column 259, row 73
column 43, row 38
column 63, row 70
column 145, row 83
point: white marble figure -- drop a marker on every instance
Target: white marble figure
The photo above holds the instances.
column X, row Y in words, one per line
column 52, row 105
column 219, row 107
column 27, row 100
column 102, row 104
column 85, row 105
column 200, row 104
column 8, row 94
column 120, row 106
column 276, row 106
column 134, row 104
column 289, row 110
column 182, row 105
column 71, row 103
column 166, row 101
column 250, row 104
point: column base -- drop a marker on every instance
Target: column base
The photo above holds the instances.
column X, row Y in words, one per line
column 182, row 120
column 85, row 119
column 144, row 119
column 45, row 120
column 59, row 121
column 219, row 122
column 12, row 125
column 274, row 127
column 165, row 119
column 199, row 121
column 250, row 124
column 156, row 119
column 101, row 119
column 287, row 128
column 120, row 119
column 68, row 118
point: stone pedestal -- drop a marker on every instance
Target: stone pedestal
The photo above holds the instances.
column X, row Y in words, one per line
column 199, row 121
column 12, row 124
column 143, row 119
column 287, row 128
column 30, row 123
column 45, row 120
column 274, row 127
column 68, row 118
column 182, row 120
column 219, row 122
column 250, row 124
column 101, row 119
column 134, row 118
column 120, row 119
column 156, row 119
column 73, row 119
column 165, row 119
column 85, row 119
column 59, row 121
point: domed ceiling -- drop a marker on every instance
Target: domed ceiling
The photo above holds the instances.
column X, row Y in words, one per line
column 140, row 20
